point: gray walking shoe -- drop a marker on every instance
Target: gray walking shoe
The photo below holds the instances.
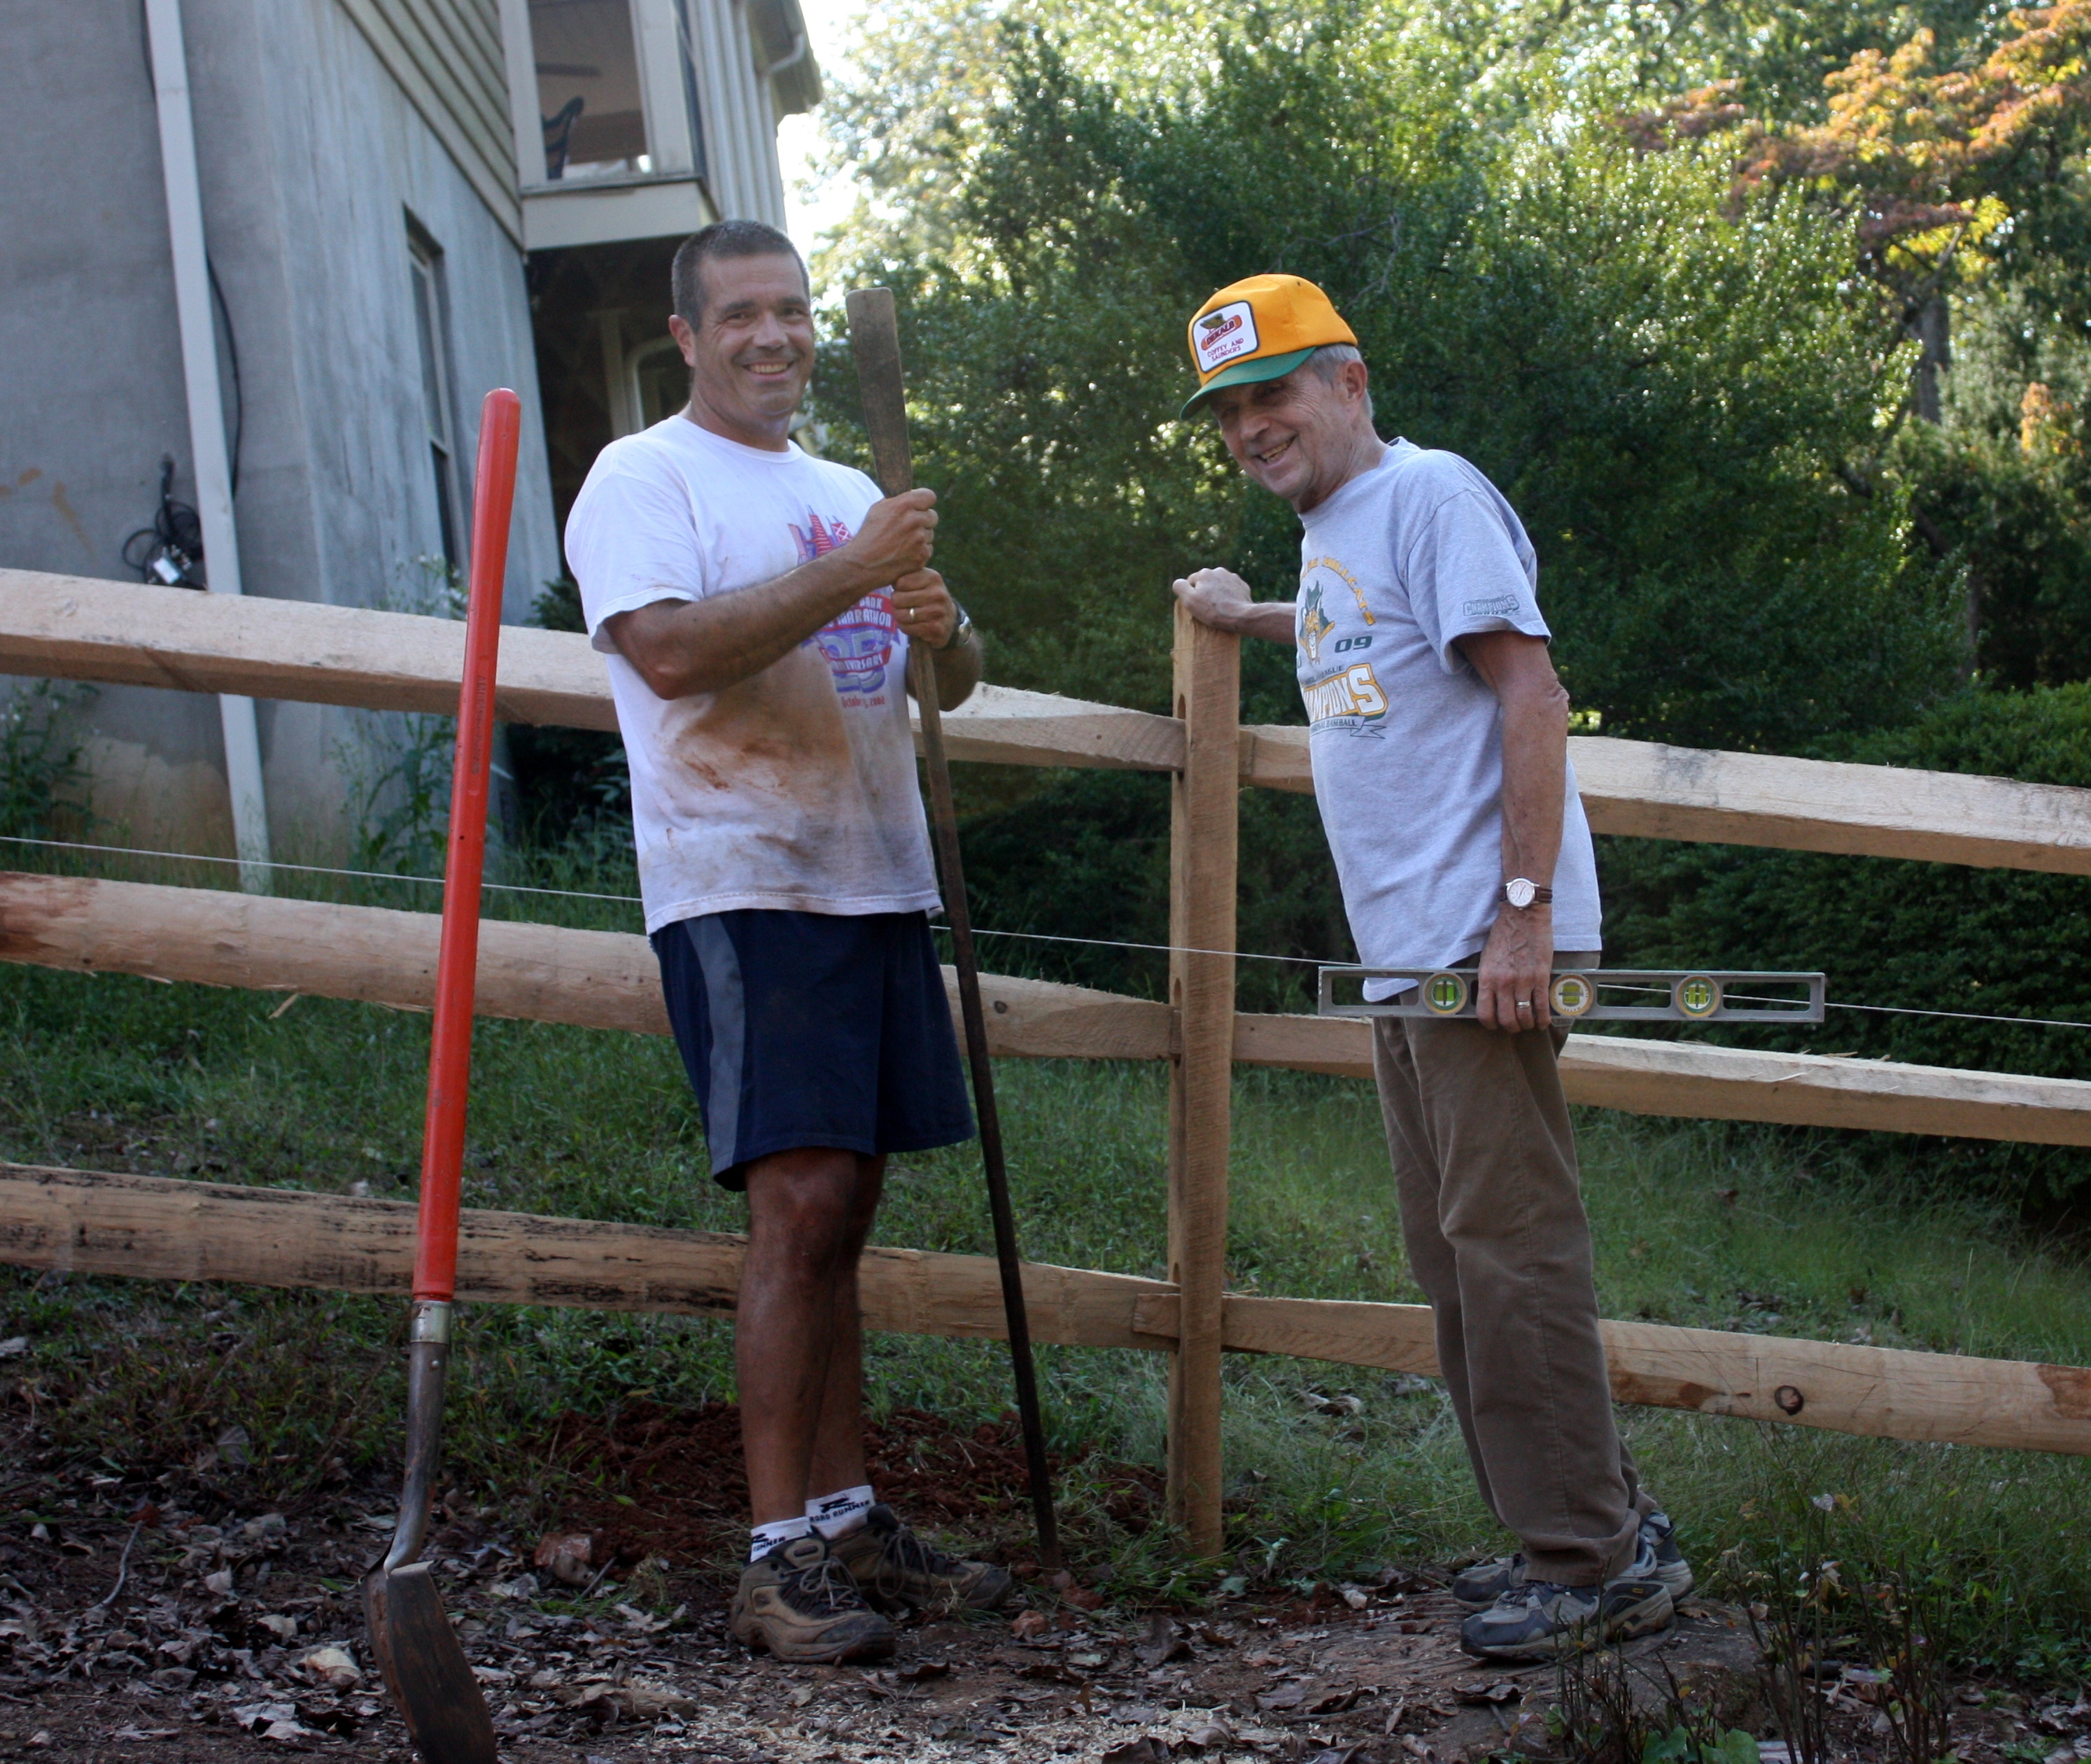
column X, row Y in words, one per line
column 1542, row 1619
column 1483, row 1584
column 1658, row 1539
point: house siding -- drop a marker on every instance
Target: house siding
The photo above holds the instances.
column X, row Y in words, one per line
column 312, row 157
column 448, row 58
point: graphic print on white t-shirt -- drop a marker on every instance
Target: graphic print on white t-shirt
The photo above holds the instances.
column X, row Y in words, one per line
column 859, row 641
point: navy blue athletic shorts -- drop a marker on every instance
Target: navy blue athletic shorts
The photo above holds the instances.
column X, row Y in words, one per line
column 813, row 1029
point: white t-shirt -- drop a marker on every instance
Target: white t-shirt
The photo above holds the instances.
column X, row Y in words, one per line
column 795, row 788
column 1407, row 738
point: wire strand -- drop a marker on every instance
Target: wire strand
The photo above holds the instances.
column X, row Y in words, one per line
column 1031, row 937
column 312, row 869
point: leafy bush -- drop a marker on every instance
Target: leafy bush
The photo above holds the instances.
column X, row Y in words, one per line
column 40, row 763
column 1921, row 937
column 569, row 782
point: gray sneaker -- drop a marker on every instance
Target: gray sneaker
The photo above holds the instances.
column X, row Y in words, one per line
column 1483, row 1584
column 1658, row 1539
column 1541, row 1621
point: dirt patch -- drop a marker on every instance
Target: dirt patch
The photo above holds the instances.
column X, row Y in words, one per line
column 669, row 1481
column 146, row 1616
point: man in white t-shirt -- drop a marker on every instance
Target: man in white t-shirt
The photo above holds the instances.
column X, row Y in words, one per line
column 1439, row 742
column 757, row 606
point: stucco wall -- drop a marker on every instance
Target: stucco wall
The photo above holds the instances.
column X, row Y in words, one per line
column 312, row 160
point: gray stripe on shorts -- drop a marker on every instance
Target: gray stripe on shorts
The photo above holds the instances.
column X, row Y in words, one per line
column 726, row 1006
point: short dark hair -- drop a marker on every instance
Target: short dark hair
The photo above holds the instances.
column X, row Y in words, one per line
column 724, row 239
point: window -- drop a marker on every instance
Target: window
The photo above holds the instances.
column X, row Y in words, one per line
column 660, row 381
column 589, row 94
column 431, row 330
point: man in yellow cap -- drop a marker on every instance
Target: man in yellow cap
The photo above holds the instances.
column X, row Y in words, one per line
column 1439, row 740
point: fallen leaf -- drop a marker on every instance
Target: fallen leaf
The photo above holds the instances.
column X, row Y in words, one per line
column 1146, row 1750
column 1163, row 1644
column 1477, row 1690
column 334, row 1668
column 129, row 1731
column 1029, row 1625
column 571, row 1557
column 1355, row 1597
column 923, row 1671
column 1139, row 1714
column 220, row 1583
column 1285, row 1696
column 1211, row 1733
column 278, row 1625
column 14, row 1347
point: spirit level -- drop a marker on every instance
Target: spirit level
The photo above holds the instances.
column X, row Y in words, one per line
column 1588, row 996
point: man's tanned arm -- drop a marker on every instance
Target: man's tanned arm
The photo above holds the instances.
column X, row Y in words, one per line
column 681, row 647
column 1518, row 960
column 1221, row 598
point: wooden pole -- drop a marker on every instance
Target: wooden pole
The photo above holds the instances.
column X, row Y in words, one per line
column 1202, row 833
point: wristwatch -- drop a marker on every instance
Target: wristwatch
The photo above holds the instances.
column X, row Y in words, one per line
column 1521, row 891
column 960, row 632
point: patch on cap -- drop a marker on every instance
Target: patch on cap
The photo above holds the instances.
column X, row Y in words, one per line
column 1221, row 335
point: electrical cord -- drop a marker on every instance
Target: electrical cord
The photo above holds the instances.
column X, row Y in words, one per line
column 172, row 547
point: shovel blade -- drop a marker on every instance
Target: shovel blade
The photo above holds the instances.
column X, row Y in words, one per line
column 425, row 1668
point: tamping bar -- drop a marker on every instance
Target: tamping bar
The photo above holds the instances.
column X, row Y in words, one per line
column 1578, row 995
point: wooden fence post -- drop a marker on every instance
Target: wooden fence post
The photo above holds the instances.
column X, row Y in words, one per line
column 1202, row 830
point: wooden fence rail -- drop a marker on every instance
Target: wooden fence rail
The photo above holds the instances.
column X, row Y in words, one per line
column 77, row 627
column 608, row 980
column 155, row 1227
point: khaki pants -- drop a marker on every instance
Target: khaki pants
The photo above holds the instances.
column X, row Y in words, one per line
column 1491, row 1213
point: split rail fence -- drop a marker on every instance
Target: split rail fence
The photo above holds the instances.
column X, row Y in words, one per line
column 148, row 1227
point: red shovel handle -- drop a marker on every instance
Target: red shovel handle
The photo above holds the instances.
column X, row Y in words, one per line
column 450, row 1053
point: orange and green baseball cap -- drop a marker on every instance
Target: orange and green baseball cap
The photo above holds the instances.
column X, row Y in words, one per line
column 1259, row 329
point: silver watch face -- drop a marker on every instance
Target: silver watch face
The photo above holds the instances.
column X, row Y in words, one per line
column 1519, row 891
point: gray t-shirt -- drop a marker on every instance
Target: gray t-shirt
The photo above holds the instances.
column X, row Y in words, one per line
column 1407, row 738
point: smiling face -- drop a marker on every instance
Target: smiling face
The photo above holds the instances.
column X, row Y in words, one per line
column 752, row 353
column 1302, row 436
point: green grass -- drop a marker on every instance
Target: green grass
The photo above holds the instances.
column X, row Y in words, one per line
column 1697, row 1223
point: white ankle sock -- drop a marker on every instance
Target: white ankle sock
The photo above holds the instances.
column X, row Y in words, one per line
column 832, row 1514
column 765, row 1538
